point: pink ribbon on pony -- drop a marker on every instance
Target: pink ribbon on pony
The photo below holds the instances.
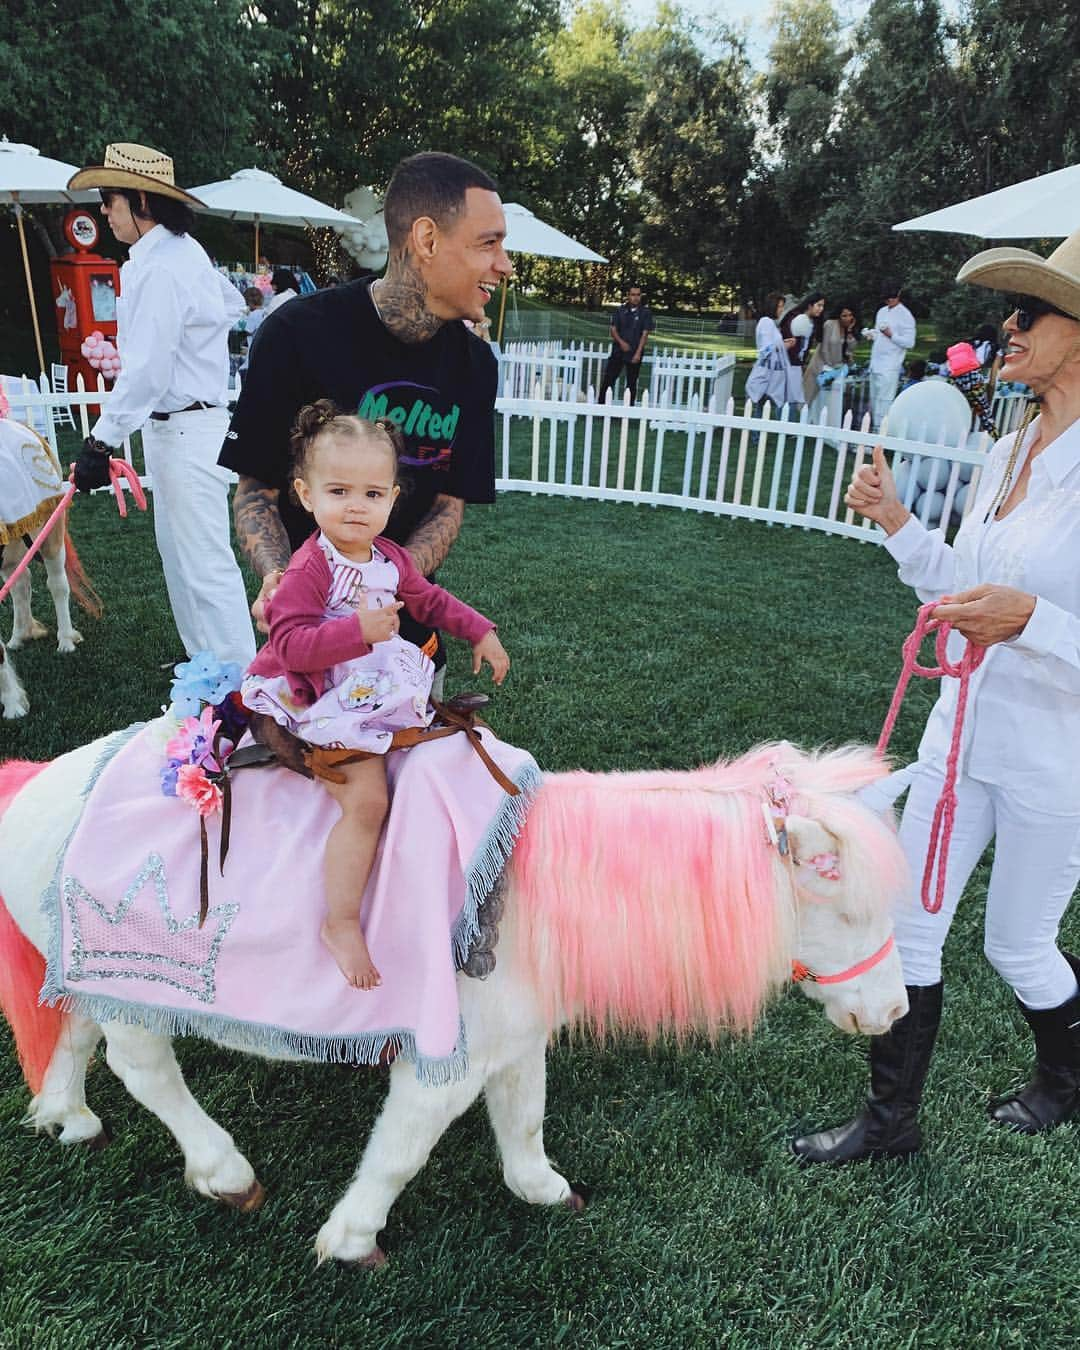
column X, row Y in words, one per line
column 119, row 469
column 945, row 811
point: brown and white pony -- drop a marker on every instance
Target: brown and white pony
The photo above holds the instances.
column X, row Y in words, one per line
column 650, row 903
column 31, row 475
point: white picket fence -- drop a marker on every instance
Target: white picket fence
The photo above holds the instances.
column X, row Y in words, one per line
column 43, row 408
column 573, row 373
column 785, row 470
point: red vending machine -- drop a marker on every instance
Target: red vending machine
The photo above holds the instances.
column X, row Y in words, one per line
column 85, row 288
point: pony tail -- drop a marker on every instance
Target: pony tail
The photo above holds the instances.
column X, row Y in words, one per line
column 395, row 435
column 311, row 421
column 82, row 588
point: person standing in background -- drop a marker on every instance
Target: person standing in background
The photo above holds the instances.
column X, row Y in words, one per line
column 631, row 325
column 283, row 285
column 893, row 334
column 173, row 314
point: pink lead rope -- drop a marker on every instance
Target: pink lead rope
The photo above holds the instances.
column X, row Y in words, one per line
column 937, row 853
column 118, row 469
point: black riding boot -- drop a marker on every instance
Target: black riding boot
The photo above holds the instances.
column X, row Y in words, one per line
column 888, row 1125
column 1053, row 1095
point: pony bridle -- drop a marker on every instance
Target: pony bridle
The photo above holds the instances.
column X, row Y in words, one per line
column 776, row 808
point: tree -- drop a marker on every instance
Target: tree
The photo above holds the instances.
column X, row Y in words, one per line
column 799, row 92
column 694, row 149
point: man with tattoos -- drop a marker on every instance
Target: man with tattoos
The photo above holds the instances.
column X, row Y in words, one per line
column 393, row 348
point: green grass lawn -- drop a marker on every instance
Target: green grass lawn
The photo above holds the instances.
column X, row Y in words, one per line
column 640, row 638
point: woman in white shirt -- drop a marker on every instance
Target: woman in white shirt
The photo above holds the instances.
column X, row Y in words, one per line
column 1010, row 582
column 803, row 323
column 283, row 285
column 769, row 377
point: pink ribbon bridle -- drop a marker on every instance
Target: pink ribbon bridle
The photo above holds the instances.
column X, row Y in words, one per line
column 800, row 972
column 937, row 853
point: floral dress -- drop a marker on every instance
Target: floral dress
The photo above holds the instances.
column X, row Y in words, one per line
column 365, row 699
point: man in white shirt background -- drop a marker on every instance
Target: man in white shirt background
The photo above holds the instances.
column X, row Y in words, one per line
column 173, row 319
column 893, row 334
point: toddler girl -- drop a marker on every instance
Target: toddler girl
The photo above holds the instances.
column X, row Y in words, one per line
column 335, row 670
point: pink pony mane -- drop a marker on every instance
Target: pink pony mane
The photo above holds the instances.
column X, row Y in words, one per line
column 652, row 902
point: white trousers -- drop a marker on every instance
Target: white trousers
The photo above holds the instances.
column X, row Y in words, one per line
column 192, row 528
column 1036, row 868
column 882, row 392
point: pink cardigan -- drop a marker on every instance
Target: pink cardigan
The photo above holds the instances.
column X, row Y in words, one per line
column 303, row 644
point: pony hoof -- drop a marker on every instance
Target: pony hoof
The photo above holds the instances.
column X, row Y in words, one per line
column 576, row 1202
column 375, row 1260
column 245, row 1202
column 98, row 1141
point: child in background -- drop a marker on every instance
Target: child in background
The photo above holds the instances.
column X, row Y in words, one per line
column 336, row 671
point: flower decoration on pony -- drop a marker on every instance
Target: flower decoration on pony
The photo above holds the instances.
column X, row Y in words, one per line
column 204, row 723
column 210, row 719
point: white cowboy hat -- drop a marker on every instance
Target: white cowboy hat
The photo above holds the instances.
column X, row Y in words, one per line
column 133, row 166
column 1055, row 279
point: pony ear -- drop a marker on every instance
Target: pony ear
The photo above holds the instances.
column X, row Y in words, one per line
column 816, row 852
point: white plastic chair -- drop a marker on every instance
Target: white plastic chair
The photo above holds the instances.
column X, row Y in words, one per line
column 61, row 414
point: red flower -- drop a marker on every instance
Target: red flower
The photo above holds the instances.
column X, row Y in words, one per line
column 193, row 786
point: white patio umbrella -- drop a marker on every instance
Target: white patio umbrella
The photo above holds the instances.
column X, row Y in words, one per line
column 256, row 196
column 1047, row 207
column 526, row 233
column 28, row 177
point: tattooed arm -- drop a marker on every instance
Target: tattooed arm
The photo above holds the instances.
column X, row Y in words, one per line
column 262, row 537
column 433, row 537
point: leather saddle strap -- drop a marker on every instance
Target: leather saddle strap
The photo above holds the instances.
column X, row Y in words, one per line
column 323, row 763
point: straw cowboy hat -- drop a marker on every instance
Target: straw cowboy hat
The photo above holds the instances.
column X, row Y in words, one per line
column 133, row 166
column 1055, row 279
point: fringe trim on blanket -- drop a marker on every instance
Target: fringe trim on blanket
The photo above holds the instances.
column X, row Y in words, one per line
column 10, row 530
column 491, row 856
column 53, row 989
column 260, row 1038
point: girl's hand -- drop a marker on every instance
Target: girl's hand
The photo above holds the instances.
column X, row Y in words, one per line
column 378, row 625
column 872, row 492
column 491, row 650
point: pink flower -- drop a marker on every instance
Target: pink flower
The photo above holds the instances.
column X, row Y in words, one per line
column 194, row 742
column 193, row 786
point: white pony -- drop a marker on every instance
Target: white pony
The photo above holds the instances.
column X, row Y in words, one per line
column 653, row 903
column 31, row 484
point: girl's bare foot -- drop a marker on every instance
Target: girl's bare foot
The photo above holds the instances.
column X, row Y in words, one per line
column 345, row 943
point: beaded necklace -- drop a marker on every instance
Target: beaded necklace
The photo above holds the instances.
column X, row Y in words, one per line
column 1002, row 493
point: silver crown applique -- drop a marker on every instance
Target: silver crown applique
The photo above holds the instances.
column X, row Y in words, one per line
column 143, row 940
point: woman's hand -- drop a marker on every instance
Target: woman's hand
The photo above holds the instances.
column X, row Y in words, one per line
column 872, row 492
column 378, row 625
column 790, row 342
column 987, row 614
column 491, row 650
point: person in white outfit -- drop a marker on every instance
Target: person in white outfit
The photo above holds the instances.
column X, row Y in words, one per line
column 1010, row 582
column 173, row 319
column 893, row 334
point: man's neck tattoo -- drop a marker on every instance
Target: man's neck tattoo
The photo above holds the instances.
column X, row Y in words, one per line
column 400, row 302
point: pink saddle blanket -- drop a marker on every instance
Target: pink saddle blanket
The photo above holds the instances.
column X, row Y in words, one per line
column 124, row 905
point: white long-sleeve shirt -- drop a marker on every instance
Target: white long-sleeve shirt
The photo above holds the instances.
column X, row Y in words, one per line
column 887, row 353
column 1022, row 726
column 173, row 317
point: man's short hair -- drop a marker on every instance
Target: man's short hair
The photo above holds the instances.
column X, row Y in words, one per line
column 429, row 184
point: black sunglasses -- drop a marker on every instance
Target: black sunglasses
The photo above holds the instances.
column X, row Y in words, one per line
column 1029, row 308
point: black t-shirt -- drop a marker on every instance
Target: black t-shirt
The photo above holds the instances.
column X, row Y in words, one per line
column 333, row 345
